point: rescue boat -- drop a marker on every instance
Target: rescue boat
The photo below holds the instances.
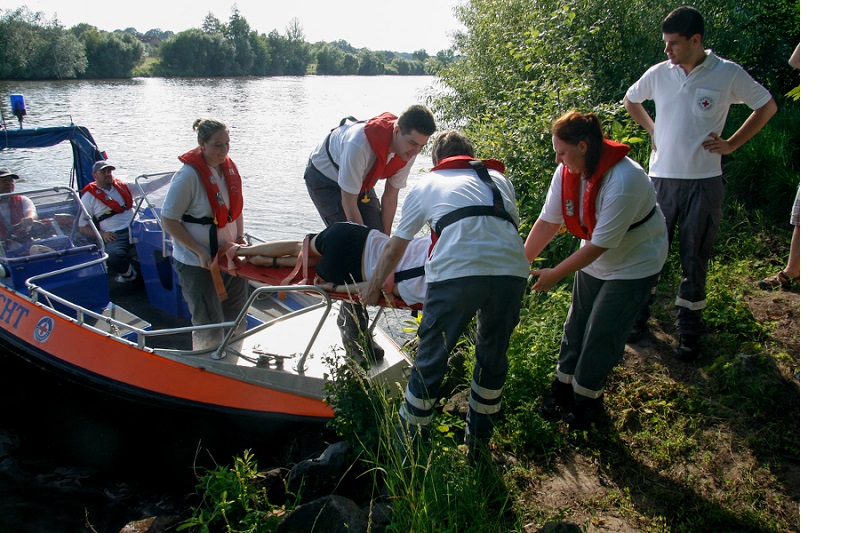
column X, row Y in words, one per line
column 61, row 311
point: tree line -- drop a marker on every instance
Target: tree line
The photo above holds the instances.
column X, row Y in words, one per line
column 35, row 47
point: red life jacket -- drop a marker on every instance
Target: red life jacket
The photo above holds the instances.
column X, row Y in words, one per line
column 103, row 196
column 16, row 214
column 221, row 214
column 571, row 191
column 379, row 133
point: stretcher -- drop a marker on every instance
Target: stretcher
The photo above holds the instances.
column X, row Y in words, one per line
column 300, row 274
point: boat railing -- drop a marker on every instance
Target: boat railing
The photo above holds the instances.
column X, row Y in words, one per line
column 153, row 188
column 123, row 330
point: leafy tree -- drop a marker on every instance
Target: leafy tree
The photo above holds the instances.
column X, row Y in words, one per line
column 291, row 51
column 239, row 34
column 371, row 63
column 196, row 53
column 420, row 55
column 79, row 29
column 33, row 48
column 401, row 66
column 111, row 55
column 329, row 60
column 211, row 24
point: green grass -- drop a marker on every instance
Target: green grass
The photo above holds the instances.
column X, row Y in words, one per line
column 707, row 447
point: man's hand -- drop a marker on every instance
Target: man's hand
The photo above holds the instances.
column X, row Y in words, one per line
column 372, row 292
column 108, row 236
column 718, row 145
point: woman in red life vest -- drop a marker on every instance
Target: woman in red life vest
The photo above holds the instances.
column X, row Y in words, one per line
column 202, row 211
column 606, row 200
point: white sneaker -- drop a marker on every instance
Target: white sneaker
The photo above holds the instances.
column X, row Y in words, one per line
column 128, row 276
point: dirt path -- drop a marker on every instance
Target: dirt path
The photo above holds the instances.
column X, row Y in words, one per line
column 576, row 485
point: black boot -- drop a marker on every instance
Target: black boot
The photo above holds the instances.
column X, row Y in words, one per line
column 688, row 349
column 559, row 401
column 353, row 322
column 584, row 412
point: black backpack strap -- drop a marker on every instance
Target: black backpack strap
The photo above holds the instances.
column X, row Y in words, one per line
column 408, row 273
column 644, row 219
column 328, row 138
column 495, row 210
column 213, row 233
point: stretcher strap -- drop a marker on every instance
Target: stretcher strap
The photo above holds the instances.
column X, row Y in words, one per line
column 215, row 272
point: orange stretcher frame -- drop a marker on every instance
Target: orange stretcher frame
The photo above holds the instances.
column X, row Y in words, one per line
column 241, row 268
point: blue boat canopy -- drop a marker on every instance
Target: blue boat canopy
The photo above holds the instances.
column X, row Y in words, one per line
column 83, row 146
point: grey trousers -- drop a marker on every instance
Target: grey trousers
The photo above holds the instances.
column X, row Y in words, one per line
column 599, row 320
column 202, row 299
column 695, row 206
column 449, row 307
column 327, row 197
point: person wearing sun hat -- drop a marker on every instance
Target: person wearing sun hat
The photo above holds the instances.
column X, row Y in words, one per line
column 109, row 201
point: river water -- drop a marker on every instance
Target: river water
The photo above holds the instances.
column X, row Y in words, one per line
column 143, row 125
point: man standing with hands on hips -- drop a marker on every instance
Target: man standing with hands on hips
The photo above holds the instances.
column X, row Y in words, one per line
column 693, row 91
column 341, row 176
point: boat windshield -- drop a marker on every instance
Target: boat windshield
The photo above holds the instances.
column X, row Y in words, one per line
column 39, row 222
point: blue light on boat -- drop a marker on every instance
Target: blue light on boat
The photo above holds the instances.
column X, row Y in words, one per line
column 19, row 108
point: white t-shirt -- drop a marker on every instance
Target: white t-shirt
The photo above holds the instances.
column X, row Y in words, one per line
column 186, row 195
column 626, row 196
column 412, row 291
column 351, row 151
column 97, row 208
column 473, row 246
column 689, row 108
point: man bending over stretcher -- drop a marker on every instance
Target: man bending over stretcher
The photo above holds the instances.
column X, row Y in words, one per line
column 347, row 253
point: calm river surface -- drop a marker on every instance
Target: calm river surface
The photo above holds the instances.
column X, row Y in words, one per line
column 143, row 125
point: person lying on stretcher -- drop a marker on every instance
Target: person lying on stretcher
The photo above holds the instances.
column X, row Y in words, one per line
column 346, row 254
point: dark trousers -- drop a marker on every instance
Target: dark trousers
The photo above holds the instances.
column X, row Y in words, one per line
column 119, row 252
column 695, row 206
column 449, row 307
column 600, row 317
column 327, row 197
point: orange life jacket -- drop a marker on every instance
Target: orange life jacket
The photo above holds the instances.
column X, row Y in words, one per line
column 571, row 191
column 16, row 214
column 114, row 207
column 379, row 133
column 221, row 214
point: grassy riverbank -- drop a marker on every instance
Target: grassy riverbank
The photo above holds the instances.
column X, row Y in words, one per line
column 706, row 446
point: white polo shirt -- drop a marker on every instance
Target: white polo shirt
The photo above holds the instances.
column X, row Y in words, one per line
column 351, row 151
column 689, row 108
column 473, row 246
